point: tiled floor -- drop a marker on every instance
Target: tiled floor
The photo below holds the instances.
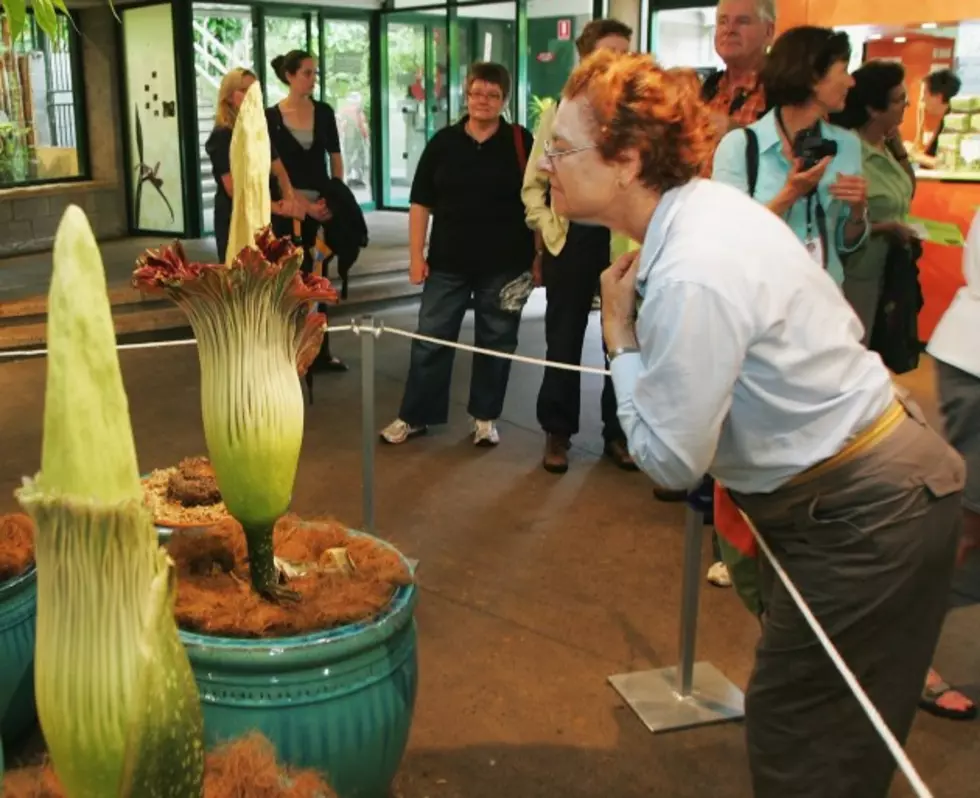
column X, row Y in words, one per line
column 535, row 588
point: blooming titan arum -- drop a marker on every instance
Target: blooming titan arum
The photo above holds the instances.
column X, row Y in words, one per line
column 115, row 693
column 255, row 332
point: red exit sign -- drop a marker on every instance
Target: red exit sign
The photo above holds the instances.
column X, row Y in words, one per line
column 564, row 30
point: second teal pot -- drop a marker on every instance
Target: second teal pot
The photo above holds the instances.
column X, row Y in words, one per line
column 339, row 701
column 18, row 613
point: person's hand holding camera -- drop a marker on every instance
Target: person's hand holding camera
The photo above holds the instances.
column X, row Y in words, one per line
column 802, row 181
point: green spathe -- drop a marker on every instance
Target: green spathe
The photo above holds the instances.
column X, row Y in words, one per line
column 115, row 693
column 88, row 447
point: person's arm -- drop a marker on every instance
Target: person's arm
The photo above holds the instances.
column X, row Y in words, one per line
column 418, row 230
column 332, row 141
column 534, row 191
column 853, row 228
column 670, row 408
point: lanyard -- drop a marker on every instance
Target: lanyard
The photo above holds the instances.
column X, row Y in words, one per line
column 812, row 199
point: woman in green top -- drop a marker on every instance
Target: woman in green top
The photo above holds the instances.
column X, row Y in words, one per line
column 874, row 110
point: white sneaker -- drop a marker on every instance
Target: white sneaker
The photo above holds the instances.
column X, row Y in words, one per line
column 399, row 431
column 485, row 433
column 718, row 575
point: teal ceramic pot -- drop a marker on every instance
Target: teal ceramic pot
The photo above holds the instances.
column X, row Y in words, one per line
column 339, row 701
column 18, row 611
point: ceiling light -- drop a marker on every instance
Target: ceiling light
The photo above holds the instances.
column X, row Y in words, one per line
column 874, row 36
column 930, row 25
column 900, row 40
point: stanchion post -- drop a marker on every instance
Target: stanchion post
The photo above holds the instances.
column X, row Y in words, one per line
column 693, row 693
column 690, row 595
column 366, row 327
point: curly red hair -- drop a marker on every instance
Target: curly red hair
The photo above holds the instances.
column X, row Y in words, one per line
column 638, row 105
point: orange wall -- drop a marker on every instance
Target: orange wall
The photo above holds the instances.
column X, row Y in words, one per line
column 918, row 56
column 872, row 12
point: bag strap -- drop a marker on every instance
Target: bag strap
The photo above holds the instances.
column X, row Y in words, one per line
column 711, row 85
column 751, row 159
column 519, row 146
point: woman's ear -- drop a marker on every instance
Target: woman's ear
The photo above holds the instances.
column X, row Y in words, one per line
column 629, row 168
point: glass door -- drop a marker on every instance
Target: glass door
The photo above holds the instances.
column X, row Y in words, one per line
column 416, row 96
column 282, row 34
column 223, row 40
column 487, row 33
column 345, row 83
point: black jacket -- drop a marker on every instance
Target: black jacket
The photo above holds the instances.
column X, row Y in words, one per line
column 895, row 335
column 346, row 232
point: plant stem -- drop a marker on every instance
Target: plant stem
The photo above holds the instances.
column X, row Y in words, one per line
column 262, row 564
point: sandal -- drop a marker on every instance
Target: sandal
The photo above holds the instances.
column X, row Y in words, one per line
column 929, row 701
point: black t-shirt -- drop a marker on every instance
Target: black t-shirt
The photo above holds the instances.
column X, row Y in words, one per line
column 474, row 193
column 933, row 149
column 306, row 168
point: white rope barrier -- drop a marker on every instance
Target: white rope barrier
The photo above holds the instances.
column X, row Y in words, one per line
column 901, row 758
column 377, row 329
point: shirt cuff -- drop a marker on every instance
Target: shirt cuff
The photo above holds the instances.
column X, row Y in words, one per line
column 625, row 372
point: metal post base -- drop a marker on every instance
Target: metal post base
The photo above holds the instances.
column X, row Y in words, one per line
column 656, row 698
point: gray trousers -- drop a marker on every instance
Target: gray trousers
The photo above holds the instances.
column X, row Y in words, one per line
column 870, row 546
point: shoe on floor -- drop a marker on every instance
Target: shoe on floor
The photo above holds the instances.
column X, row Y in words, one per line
column 555, row 460
column 933, row 695
column 399, row 431
column 668, row 495
column 485, row 433
column 619, row 453
column 718, row 575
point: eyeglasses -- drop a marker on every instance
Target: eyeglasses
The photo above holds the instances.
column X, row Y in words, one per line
column 493, row 96
column 551, row 153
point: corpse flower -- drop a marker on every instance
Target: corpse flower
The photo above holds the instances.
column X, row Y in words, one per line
column 255, row 331
column 115, row 694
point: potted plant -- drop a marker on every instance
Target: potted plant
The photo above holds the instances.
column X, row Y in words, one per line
column 315, row 647
column 18, row 597
column 115, row 694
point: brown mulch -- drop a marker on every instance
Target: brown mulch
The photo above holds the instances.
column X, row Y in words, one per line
column 215, row 596
column 244, row 768
column 16, row 545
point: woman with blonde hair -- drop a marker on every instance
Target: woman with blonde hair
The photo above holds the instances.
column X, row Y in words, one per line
column 232, row 91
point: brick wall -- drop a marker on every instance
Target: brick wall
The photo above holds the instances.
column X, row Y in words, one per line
column 29, row 216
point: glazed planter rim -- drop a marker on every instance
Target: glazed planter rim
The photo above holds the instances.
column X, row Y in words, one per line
column 9, row 587
column 315, row 648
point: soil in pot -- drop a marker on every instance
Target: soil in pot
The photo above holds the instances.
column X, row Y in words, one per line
column 16, row 545
column 215, row 596
column 244, row 768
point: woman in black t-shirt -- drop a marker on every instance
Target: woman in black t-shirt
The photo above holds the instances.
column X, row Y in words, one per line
column 304, row 132
column 480, row 251
column 234, row 85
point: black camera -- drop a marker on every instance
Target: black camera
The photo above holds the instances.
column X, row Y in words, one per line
column 812, row 148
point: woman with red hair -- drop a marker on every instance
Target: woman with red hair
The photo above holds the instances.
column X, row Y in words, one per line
column 745, row 363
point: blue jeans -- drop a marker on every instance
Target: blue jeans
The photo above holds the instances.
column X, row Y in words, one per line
column 445, row 298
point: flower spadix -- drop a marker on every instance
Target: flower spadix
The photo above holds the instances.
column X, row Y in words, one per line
column 115, row 693
column 255, row 334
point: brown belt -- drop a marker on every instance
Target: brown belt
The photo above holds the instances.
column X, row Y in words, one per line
column 866, row 439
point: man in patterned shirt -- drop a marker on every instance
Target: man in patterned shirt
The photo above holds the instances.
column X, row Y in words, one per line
column 743, row 32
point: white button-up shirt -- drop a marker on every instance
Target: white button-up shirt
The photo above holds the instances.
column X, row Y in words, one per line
column 751, row 366
column 956, row 339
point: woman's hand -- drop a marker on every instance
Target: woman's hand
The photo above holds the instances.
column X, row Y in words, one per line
column 537, row 270
column 418, row 270
column 802, row 182
column 318, row 210
column 618, row 284
column 900, row 230
column 852, row 189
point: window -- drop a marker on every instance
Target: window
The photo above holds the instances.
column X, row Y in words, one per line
column 685, row 37
column 41, row 121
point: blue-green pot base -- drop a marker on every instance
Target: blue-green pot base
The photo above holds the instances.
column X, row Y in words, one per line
column 18, row 614
column 339, row 701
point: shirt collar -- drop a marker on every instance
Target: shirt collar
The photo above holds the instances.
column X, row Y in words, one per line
column 659, row 228
column 767, row 131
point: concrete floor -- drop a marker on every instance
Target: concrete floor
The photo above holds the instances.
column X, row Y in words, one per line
column 535, row 588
